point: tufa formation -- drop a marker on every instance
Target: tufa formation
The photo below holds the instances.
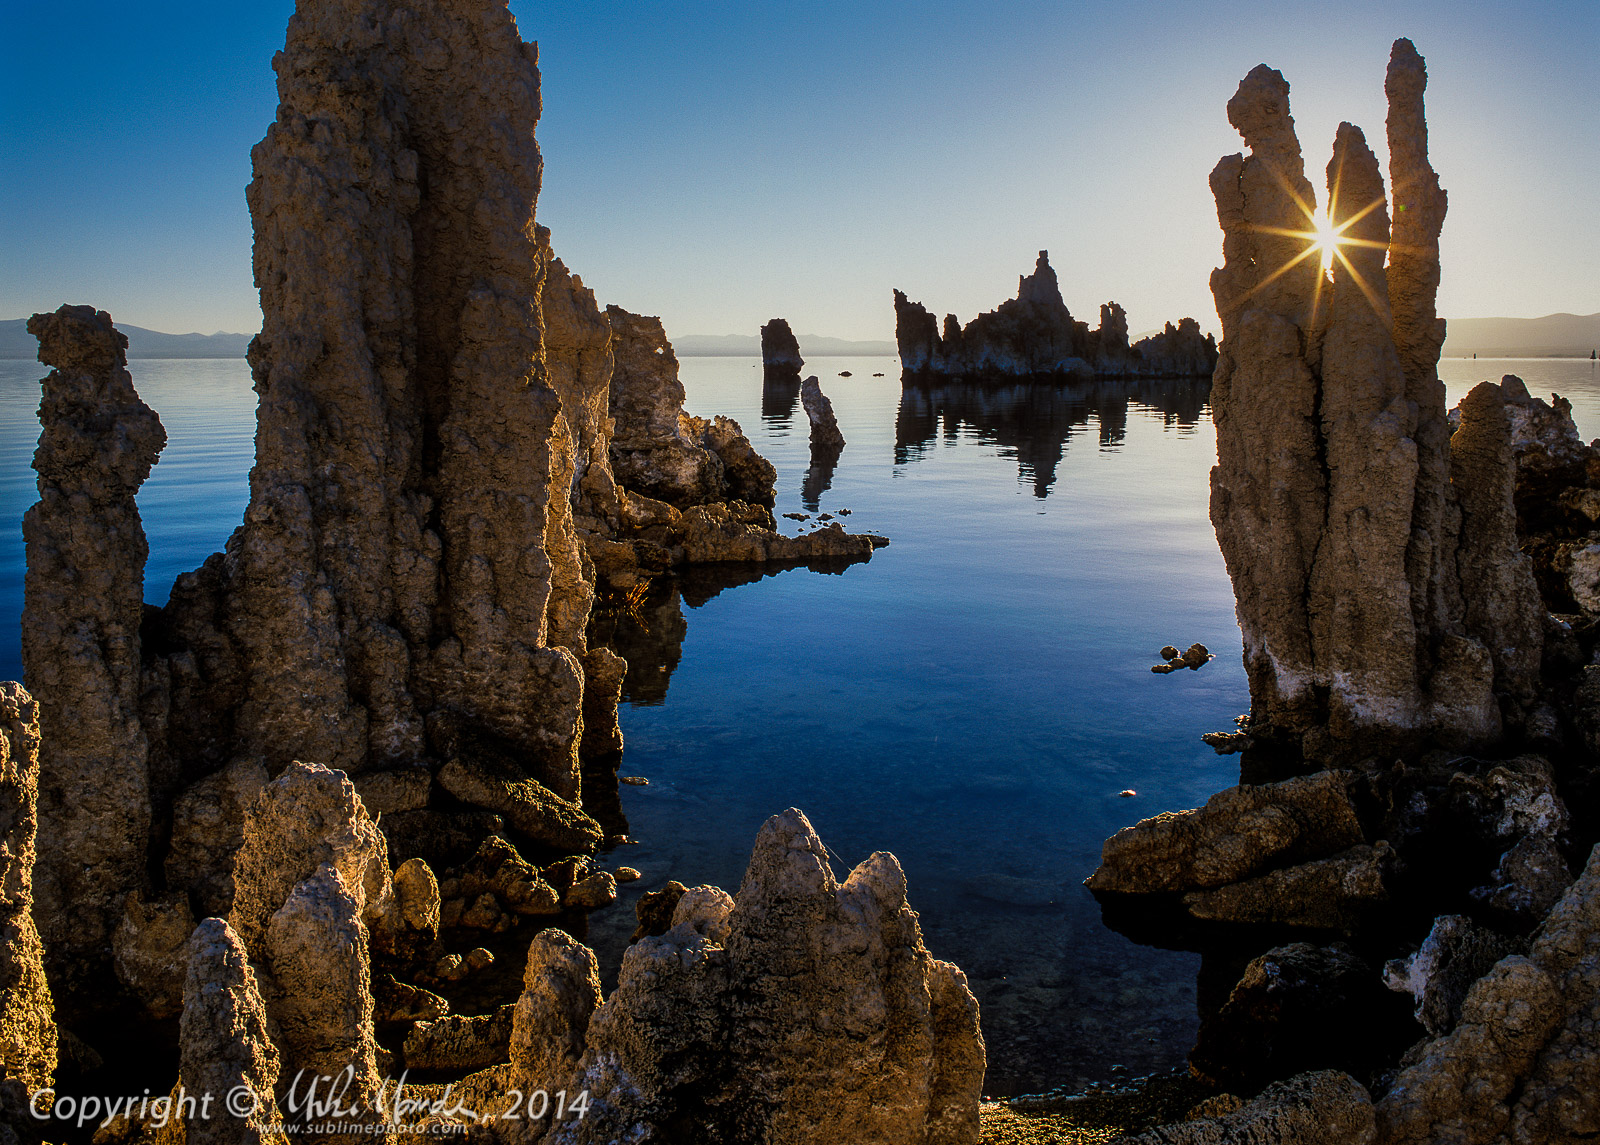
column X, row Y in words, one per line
column 1035, row 336
column 1374, row 554
column 458, row 452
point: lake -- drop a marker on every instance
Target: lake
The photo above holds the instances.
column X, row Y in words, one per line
column 974, row 699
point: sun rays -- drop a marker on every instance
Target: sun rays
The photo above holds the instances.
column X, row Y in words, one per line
column 1325, row 237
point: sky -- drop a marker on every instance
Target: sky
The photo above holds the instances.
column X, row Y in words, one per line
column 721, row 164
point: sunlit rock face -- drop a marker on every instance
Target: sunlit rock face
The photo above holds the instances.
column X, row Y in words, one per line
column 1374, row 555
column 27, row 1014
column 1035, row 336
column 799, row 1010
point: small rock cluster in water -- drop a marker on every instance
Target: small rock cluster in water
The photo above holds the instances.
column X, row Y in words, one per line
column 1192, row 658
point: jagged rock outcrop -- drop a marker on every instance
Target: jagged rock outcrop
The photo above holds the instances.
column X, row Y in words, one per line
column 657, row 448
column 27, row 1013
column 780, row 351
column 225, row 1042
column 83, row 606
column 802, row 1010
column 560, row 993
column 825, row 435
column 1520, row 1064
column 1374, row 555
column 1034, row 335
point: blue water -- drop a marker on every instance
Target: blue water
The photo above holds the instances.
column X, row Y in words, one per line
column 973, row 699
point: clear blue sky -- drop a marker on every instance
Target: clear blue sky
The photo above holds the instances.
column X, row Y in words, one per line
column 720, row 164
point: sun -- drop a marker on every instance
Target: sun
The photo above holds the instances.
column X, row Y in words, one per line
column 1325, row 237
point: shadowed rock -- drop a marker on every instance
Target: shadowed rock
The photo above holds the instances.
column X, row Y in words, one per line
column 1374, row 557
column 1520, row 1063
column 83, row 605
column 780, row 352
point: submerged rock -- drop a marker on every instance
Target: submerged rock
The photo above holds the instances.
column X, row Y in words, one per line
column 1374, row 556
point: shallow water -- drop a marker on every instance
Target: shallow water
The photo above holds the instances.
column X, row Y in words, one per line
column 972, row 699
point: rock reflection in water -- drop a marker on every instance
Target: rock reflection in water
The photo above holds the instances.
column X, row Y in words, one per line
column 648, row 631
column 819, row 475
column 1035, row 421
column 780, row 396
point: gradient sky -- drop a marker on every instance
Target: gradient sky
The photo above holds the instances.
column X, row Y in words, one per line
column 720, row 164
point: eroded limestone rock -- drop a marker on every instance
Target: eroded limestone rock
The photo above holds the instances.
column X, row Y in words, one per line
column 560, row 993
column 1290, row 1013
column 150, row 950
column 526, row 804
column 1456, row 953
column 818, row 1017
column 207, row 830
column 780, row 350
column 83, row 606
column 1374, row 556
column 460, row 1042
column 307, row 817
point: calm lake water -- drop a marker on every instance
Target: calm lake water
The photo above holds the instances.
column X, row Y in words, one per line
column 973, row 699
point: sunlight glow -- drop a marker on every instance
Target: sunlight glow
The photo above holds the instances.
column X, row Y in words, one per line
column 1325, row 237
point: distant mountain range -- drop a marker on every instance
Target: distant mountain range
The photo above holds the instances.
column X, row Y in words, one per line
column 749, row 346
column 1553, row 336
column 16, row 342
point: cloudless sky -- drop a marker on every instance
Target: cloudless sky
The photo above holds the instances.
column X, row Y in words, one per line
column 720, row 164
